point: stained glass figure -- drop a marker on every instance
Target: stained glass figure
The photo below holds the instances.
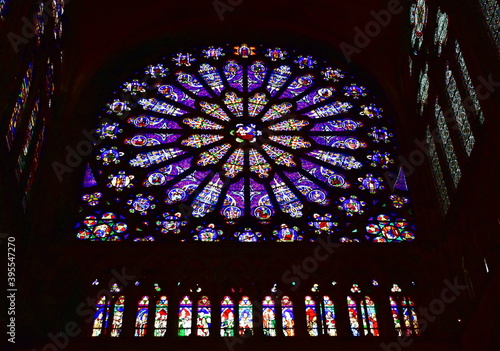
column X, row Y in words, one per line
column 161, row 317
column 227, row 317
column 269, row 316
column 185, row 317
column 423, row 88
column 247, row 137
column 287, row 316
column 245, row 314
column 101, row 314
column 141, row 319
column 204, row 320
column 117, row 323
column 311, row 316
column 328, row 317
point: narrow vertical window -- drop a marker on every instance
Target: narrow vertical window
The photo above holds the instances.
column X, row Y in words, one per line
column 457, row 105
column 311, row 316
column 185, row 316
column 117, row 323
column 491, row 13
column 423, row 88
column 369, row 316
column 269, row 316
column 141, row 320
column 418, row 20
column 204, row 317
column 227, row 317
column 447, row 145
column 403, row 309
column 100, row 317
column 353, row 316
column 437, row 173
column 30, row 129
column 161, row 316
column 467, row 82
column 287, row 316
column 329, row 326
column 245, row 313
column 441, row 31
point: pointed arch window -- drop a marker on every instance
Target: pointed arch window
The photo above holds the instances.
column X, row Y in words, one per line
column 245, row 315
column 311, row 316
column 185, row 317
column 269, row 316
column 141, row 319
column 227, row 317
column 403, row 313
column 362, row 314
column 117, row 322
column 204, row 320
column 161, row 316
column 328, row 313
column 287, row 316
column 101, row 317
column 418, row 20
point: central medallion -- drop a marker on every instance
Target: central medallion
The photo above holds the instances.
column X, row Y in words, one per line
column 247, row 132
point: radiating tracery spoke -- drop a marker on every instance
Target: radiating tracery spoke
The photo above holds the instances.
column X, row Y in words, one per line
column 259, row 137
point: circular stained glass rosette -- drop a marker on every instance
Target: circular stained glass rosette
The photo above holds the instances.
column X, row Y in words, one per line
column 246, row 138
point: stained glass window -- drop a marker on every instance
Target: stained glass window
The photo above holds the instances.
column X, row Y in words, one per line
column 57, row 14
column 39, row 22
column 362, row 316
column 243, row 148
column 204, row 320
column 491, row 13
column 117, row 323
column 418, row 20
column 423, row 88
column 161, row 316
column 441, row 33
column 445, row 141
column 437, row 172
column 403, row 313
column 19, row 106
column 457, row 105
column 3, row 8
column 227, row 317
column 141, row 319
column 185, row 316
column 35, row 159
column 101, row 315
column 30, row 129
column 245, row 314
column 287, row 316
column 328, row 314
column 473, row 104
column 269, row 316
column 311, row 316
